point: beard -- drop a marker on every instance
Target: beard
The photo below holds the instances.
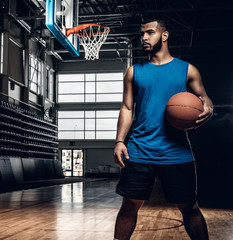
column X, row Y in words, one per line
column 155, row 48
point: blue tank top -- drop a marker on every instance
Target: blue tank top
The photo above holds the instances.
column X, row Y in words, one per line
column 153, row 140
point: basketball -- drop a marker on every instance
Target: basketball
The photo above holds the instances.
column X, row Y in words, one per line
column 183, row 109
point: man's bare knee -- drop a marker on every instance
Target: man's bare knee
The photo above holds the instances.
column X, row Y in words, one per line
column 131, row 205
column 189, row 208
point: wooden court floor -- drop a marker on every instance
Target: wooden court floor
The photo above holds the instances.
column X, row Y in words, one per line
column 87, row 211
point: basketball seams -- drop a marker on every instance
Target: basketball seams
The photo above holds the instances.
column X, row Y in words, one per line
column 179, row 120
column 183, row 109
column 184, row 106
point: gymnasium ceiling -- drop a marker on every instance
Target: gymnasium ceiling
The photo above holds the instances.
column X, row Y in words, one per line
column 197, row 27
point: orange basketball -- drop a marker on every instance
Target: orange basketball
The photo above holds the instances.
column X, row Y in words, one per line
column 183, row 109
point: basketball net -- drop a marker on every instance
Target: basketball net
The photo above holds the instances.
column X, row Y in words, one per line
column 91, row 36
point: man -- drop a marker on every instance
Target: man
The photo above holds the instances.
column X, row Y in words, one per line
column 155, row 147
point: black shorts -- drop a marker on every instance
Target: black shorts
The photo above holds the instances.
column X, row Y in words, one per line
column 178, row 181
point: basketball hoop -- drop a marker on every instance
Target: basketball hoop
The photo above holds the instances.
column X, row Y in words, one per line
column 91, row 36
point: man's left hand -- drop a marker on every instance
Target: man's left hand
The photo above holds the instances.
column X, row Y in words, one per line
column 206, row 115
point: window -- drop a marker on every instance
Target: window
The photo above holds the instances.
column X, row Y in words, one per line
column 93, row 87
column 1, row 52
column 35, row 75
column 99, row 124
column 49, row 84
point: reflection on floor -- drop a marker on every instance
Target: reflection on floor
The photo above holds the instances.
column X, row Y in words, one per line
column 87, row 211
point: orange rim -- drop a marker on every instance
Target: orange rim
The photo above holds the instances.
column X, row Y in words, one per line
column 75, row 30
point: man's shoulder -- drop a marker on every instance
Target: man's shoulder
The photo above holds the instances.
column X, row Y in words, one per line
column 181, row 61
column 141, row 64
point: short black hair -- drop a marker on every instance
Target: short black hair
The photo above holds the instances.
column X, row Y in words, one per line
column 160, row 20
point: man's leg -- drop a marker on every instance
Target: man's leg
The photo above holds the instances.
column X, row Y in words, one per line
column 194, row 221
column 127, row 218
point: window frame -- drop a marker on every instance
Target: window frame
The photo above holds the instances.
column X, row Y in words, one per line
column 83, row 95
column 97, row 132
column 36, row 79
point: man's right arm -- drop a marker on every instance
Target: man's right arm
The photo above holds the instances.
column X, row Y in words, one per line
column 125, row 118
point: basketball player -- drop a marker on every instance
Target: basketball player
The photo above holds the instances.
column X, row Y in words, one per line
column 154, row 147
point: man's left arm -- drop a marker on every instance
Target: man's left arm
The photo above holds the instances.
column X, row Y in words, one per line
column 194, row 85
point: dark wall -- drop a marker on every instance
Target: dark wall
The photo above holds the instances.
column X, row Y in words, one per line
column 217, row 77
column 213, row 142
